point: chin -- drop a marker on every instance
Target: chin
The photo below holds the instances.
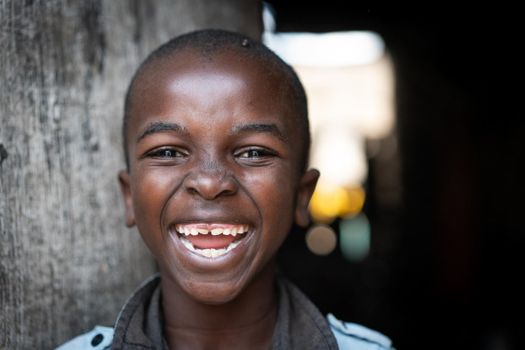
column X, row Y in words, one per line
column 212, row 293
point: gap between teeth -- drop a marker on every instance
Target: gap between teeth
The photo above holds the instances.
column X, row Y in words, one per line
column 209, row 252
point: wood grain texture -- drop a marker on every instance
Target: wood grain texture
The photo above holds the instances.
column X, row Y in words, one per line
column 67, row 262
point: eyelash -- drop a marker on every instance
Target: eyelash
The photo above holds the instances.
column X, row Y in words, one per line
column 255, row 153
column 161, row 153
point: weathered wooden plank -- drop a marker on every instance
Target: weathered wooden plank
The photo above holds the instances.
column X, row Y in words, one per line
column 66, row 260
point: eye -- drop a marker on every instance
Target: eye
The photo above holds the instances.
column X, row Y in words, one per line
column 166, row 153
column 252, row 153
column 255, row 155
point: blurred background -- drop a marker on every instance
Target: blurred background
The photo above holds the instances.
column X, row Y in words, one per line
column 416, row 128
column 428, row 234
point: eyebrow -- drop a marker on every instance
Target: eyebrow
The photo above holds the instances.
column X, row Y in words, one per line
column 259, row 128
column 156, row 127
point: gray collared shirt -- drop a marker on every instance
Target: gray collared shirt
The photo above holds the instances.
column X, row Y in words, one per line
column 300, row 325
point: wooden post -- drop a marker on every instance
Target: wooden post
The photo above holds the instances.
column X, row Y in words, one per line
column 67, row 262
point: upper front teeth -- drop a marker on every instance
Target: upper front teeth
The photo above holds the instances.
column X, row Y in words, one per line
column 194, row 231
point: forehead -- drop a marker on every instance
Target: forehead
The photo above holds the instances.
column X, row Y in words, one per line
column 191, row 75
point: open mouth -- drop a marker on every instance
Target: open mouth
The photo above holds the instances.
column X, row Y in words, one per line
column 211, row 240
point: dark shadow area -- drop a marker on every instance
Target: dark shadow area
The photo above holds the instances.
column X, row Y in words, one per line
column 445, row 266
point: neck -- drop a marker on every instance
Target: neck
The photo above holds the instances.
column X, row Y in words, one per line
column 246, row 322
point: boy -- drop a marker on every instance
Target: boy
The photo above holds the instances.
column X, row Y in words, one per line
column 216, row 140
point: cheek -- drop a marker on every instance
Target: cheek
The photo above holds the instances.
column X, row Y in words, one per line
column 154, row 185
column 273, row 191
column 151, row 192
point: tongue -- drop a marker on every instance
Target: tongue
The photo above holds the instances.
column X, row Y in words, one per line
column 210, row 241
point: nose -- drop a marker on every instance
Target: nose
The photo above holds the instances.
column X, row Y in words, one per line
column 210, row 181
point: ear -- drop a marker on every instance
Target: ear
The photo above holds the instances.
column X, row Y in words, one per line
column 304, row 193
column 123, row 178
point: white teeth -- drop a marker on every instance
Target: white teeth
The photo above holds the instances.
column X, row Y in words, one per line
column 187, row 244
column 232, row 245
column 217, row 231
column 210, row 252
column 234, row 231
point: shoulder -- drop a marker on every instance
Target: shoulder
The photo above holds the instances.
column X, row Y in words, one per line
column 101, row 338
column 356, row 337
column 97, row 339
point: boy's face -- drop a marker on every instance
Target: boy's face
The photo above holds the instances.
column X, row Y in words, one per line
column 214, row 148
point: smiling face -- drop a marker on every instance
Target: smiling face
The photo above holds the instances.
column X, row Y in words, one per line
column 214, row 181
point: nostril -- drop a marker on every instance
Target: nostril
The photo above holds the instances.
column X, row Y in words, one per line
column 210, row 185
column 191, row 190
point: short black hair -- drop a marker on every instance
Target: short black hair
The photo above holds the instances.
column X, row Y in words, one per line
column 210, row 42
